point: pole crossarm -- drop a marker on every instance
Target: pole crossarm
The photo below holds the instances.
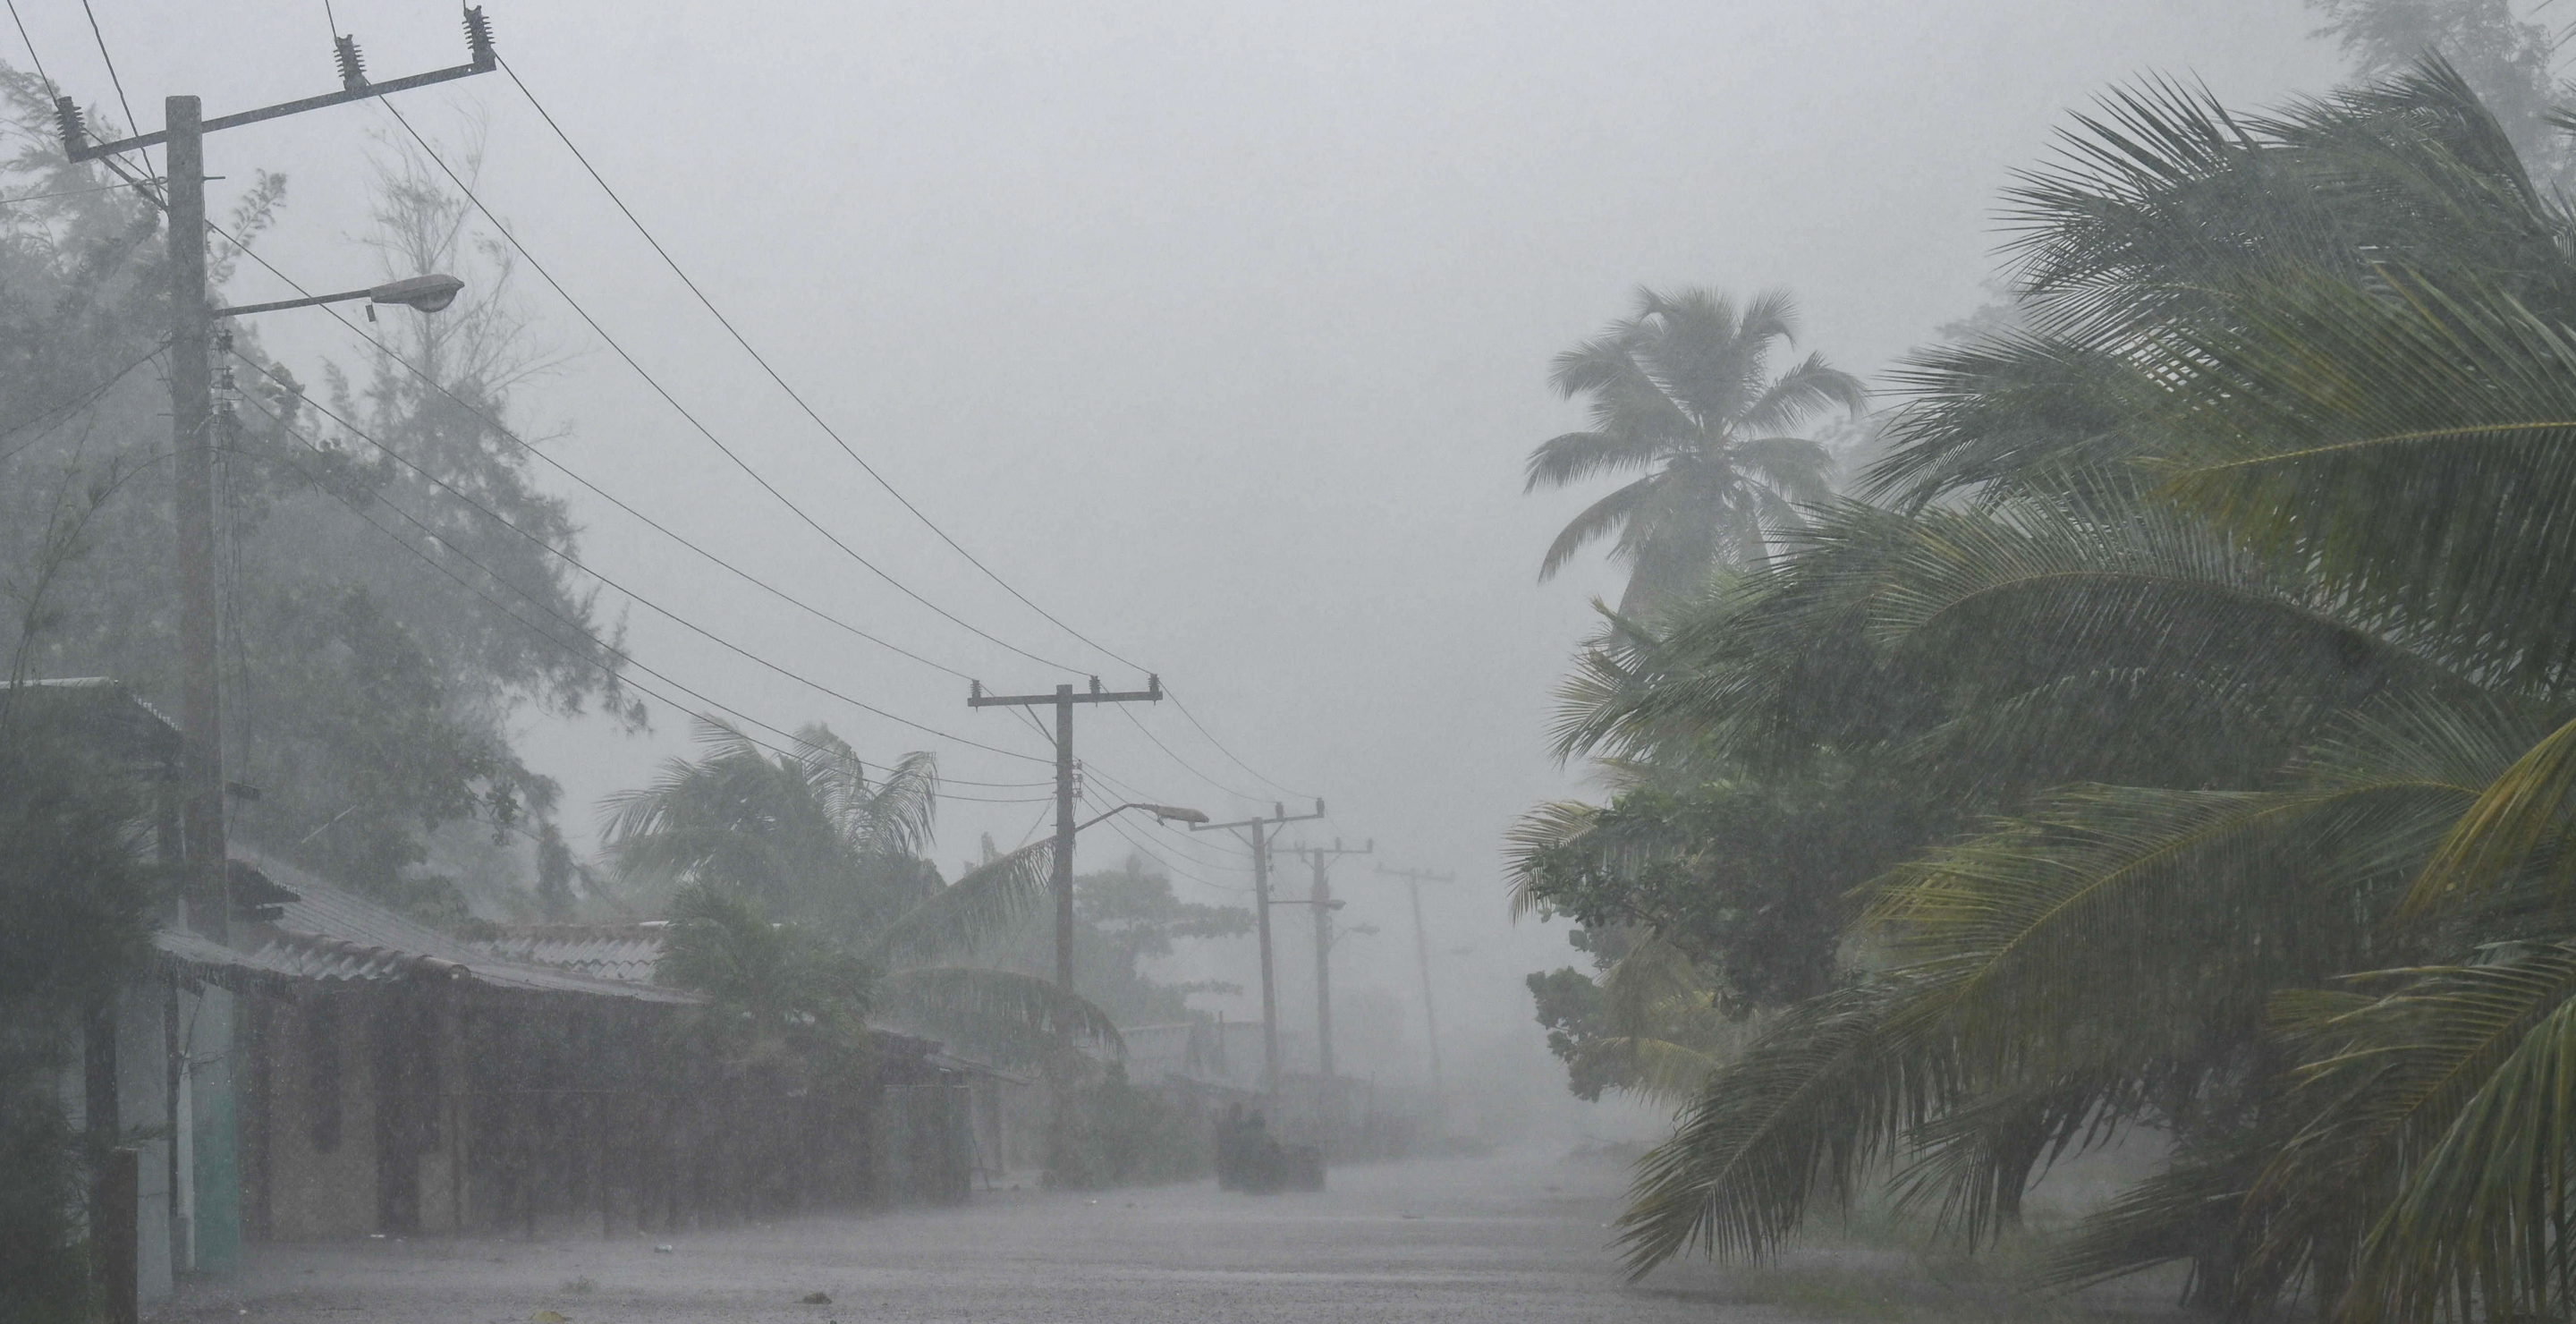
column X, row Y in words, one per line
column 1152, row 693
column 1258, row 830
column 1063, row 701
column 478, row 40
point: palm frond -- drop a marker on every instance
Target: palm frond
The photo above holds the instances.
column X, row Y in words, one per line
column 1012, row 1016
column 985, row 901
column 1814, row 1101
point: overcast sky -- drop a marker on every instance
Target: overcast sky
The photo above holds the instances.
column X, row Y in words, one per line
column 1219, row 330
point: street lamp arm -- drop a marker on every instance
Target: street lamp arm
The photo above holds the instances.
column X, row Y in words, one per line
column 1158, row 811
column 282, row 304
column 428, row 293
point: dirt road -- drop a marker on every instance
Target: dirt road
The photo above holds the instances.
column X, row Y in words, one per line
column 1492, row 1241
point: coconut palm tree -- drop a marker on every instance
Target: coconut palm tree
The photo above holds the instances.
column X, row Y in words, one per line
column 810, row 837
column 1681, row 395
column 2233, row 603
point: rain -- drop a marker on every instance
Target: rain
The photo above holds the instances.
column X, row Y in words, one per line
column 1139, row 661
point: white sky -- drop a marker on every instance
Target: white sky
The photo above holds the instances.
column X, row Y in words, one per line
column 1219, row 329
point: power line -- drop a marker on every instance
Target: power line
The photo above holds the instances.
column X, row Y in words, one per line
column 1149, row 853
column 505, row 432
column 132, row 125
column 540, row 631
column 757, row 357
column 1185, row 763
column 51, row 88
column 569, row 559
column 852, row 452
column 1220, row 747
column 692, row 419
column 60, row 412
column 65, row 193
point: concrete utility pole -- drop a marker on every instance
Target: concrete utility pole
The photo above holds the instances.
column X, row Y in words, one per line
column 1321, row 898
column 1413, row 880
column 192, row 418
column 1258, row 831
column 1064, row 698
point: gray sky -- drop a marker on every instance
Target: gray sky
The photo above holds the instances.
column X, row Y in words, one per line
column 1220, row 330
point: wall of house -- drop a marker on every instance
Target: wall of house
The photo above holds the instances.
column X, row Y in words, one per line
column 321, row 1117
column 211, row 1172
column 143, row 1104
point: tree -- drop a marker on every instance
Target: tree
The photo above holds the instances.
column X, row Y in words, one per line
column 1122, row 918
column 378, row 635
column 76, row 906
column 2230, row 596
column 2508, row 58
column 1681, row 393
column 809, row 836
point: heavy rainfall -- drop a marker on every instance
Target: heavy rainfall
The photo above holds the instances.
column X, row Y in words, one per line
column 1144, row 661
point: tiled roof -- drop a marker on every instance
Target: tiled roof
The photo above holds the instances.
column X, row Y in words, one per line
column 624, row 952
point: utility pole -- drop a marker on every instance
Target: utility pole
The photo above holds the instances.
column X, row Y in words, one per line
column 1321, row 898
column 1064, row 698
column 192, row 321
column 1259, row 831
column 1413, row 880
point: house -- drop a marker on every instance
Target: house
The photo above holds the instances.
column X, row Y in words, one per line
column 337, row 1068
column 941, row 1117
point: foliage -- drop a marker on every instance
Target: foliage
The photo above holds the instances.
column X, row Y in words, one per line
column 783, row 999
column 367, row 690
column 1123, row 918
column 810, row 836
column 1682, row 390
column 2212, row 642
column 75, row 914
column 2507, row 57
column 1122, row 1134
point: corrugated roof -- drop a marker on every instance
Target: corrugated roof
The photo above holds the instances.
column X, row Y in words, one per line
column 103, row 710
column 624, row 952
column 327, row 933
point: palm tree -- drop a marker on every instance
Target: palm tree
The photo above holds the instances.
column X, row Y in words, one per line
column 1681, row 395
column 2231, row 605
column 809, row 836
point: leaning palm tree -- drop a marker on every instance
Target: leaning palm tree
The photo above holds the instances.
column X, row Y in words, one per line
column 812, row 837
column 1682, row 396
column 2236, row 596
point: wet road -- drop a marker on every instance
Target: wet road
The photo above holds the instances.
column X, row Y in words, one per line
column 1493, row 1241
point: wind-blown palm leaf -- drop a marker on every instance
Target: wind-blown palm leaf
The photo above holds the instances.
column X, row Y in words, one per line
column 2486, row 1216
column 1810, row 1105
column 985, row 901
column 2357, row 431
column 1015, row 1017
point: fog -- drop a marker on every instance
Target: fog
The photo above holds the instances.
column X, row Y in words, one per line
column 1220, row 332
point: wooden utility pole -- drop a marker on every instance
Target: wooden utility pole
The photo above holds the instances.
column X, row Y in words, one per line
column 1321, row 898
column 1258, row 831
column 1064, row 698
column 192, row 420
column 1413, row 880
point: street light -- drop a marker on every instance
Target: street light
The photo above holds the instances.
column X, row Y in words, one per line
column 426, row 294
column 194, row 343
column 1167, row 813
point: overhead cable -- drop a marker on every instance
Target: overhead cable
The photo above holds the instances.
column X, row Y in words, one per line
column 692, row 419
column 569, row 559
column 809, row 410
column 505, row 432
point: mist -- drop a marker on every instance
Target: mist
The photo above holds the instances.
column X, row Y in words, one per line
column 1195, row 348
